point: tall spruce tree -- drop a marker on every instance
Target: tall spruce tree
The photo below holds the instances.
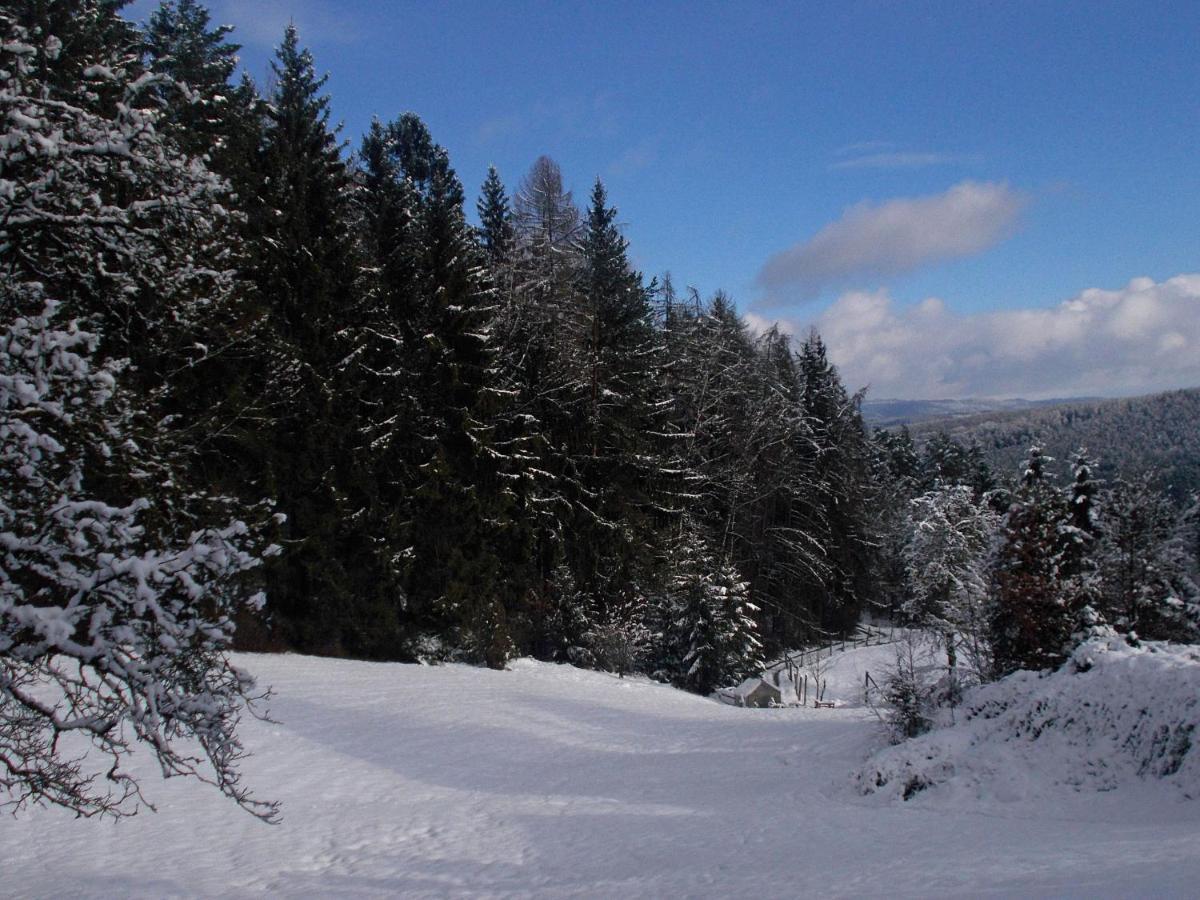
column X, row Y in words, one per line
column 616, row 443
column 443, row 311
column 383, row 344
column 180, row 42
column 307, row 273
column 496, row 231
column 191, row 64
column 843, row 479
column 1078, row 540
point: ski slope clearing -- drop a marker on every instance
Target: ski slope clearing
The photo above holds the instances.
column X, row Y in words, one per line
column 549, row 781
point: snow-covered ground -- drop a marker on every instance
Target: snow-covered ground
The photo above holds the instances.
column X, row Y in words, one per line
column 549, row 781
column 1117, row 718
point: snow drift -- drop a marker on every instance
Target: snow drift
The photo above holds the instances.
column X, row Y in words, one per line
column 1114, row 715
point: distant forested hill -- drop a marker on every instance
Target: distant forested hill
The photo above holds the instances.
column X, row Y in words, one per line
column 1126, row 436
column 886, row 413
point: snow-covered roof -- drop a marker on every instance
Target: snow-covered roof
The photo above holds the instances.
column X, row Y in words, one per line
column 751, row 685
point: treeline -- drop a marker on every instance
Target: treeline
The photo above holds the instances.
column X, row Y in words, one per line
column 473, row 441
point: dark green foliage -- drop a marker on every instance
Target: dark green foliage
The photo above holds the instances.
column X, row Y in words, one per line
column 1032, row 619
column 332, row 591
column 180, row 43
column 496, row 232
column 436, row 304
column 705, row 636
column 842, row 472
column 614, row 445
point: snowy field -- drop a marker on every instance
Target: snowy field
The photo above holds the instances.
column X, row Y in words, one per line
column 549, row 781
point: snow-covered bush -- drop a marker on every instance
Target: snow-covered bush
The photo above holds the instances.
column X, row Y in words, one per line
column 1115, row 713
column 909, row 690
column 619, row 639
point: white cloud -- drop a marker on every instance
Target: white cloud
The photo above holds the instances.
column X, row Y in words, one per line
column 902, row 160
column 1141, row 338
column 896, row 237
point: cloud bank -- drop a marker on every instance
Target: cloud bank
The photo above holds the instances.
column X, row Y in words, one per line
column 1142, row 338
column 896, row 237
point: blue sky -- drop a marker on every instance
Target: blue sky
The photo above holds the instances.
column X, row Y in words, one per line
column 999, row 157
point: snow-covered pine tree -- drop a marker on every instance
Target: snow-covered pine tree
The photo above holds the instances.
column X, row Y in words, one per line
column 616, row 446
column 224, row 393
column 563, row 620
column 983, row 481
column 90, row 101
column 704, row 632
column 460, row 510
column 496, row 232
column 120, row 576
column 842, row 476
column 208, row 115
column 180, row 42
column 1146, row 572
column 1032, row 622
column 944, row 460
column 1078, row 535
